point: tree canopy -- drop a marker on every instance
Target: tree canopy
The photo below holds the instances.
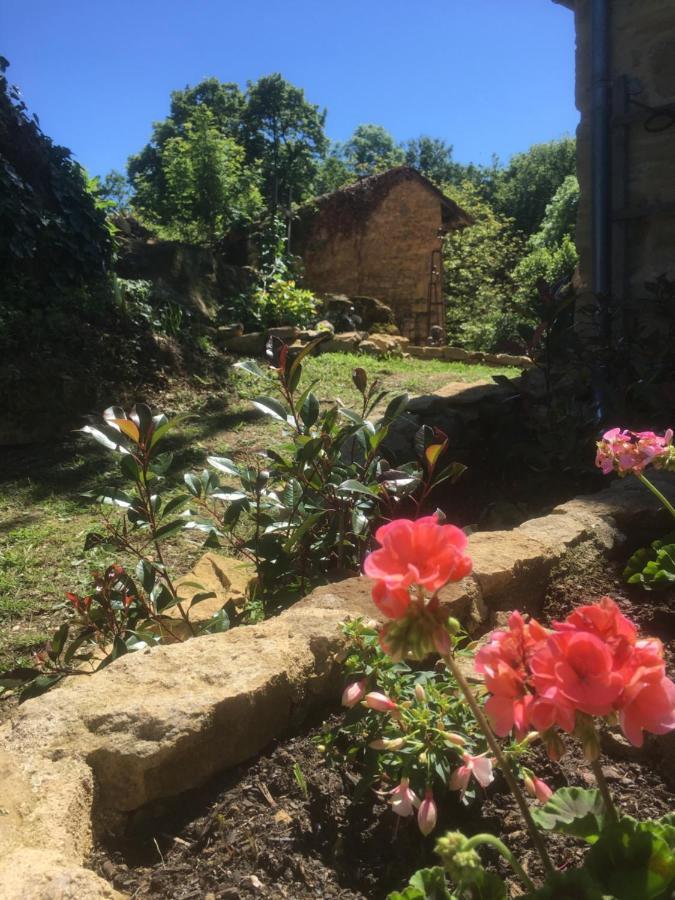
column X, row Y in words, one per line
column 525, row 187
column 284, row 133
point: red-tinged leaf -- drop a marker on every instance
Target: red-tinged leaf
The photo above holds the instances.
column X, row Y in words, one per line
column 432, row 453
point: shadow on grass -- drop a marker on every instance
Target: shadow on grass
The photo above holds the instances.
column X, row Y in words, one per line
column 75, row 464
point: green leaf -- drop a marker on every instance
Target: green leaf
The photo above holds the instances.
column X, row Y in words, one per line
column 223, row 465
column 292, row 494
column 175, row 504
column 271, row 408
column 351, row 486
column 425, row 884
column 309, row 411
column 58, row 640
column 161, row 464
column 115, row 498
column 351, row 415
column 633, row 859
column 200, row 597
column 250, row 366
column 130, row 468
column 75, row 644
column 574, row 811
column 162, row 426
column 193, row 484
column 395, row 407
column 170, row 528
column 146, row 574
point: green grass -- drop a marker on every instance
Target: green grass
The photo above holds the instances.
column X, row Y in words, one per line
column 44, row 520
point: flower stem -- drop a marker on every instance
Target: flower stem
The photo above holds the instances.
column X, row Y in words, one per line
column 502, row 761
column 603, row 787
column 656, row 492
column 504, row 851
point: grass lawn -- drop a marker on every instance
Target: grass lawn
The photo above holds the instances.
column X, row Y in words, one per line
column 43, row 519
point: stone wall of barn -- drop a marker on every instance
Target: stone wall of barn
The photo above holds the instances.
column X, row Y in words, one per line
column 643, row 144
column 388, row 254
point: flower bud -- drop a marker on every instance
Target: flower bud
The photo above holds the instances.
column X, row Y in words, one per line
column 530, row 738
column 455, row 739
column 554, row 745
column 535, row 787
column 387, row 744
column 458, row 862
column 427, row 814
column 354, row 693
column 419, row 693
column 586, row 732
column 380, row 703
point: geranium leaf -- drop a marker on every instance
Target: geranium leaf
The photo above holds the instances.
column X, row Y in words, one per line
column 574, row 811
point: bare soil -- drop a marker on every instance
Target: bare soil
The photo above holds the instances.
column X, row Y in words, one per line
column 287, row 824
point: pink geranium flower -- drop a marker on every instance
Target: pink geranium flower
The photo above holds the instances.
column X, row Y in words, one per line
column 504, row 663
column 392, row 602
column 420, row 553
column 648, row 706
column 478, row 766
column 576, row 669
column 631, row 451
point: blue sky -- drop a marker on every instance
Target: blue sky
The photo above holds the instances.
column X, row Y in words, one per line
column 488, row 76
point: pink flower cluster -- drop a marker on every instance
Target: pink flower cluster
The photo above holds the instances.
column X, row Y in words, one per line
column 631, row 451
column 420, row 553
column 594, row 663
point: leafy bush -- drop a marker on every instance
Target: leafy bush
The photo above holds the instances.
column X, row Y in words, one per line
column 125, row 612
column 306, row 509
column 478, row 266
column 207, row 188
column 653, row 567
column 53, row 231
column 280, row 302
column 146, row 302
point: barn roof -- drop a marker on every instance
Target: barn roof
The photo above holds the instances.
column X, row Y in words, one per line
column 355, row 202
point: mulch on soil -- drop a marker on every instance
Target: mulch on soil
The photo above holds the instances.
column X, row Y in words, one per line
column 286, row 825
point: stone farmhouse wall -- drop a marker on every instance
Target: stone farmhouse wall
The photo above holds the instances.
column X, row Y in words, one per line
column 642, row 41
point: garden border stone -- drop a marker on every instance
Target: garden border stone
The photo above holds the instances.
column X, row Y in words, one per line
column 79, row 760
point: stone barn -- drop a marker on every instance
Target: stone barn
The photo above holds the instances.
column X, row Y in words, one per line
column 381, row 237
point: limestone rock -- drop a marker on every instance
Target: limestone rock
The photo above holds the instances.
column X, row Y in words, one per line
column 33, row 874
column 455, row 354
column 345, row 342
column 226, row 577
column 372, row 311
column 389, row 343
column 285, row 333
column 251, row 344
column 510, row 568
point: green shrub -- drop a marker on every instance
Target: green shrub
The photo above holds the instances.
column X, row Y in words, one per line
column 280, row 302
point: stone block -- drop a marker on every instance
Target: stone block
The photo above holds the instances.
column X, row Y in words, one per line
column 251, row 344
column 510, row 568
column 347, row 342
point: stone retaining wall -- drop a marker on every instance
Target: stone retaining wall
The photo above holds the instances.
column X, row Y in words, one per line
column 158, row 722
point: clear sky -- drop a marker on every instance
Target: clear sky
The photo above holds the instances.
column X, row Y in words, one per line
column 488, row 76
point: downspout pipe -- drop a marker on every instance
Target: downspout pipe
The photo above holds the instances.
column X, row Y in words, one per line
column 601, row 198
